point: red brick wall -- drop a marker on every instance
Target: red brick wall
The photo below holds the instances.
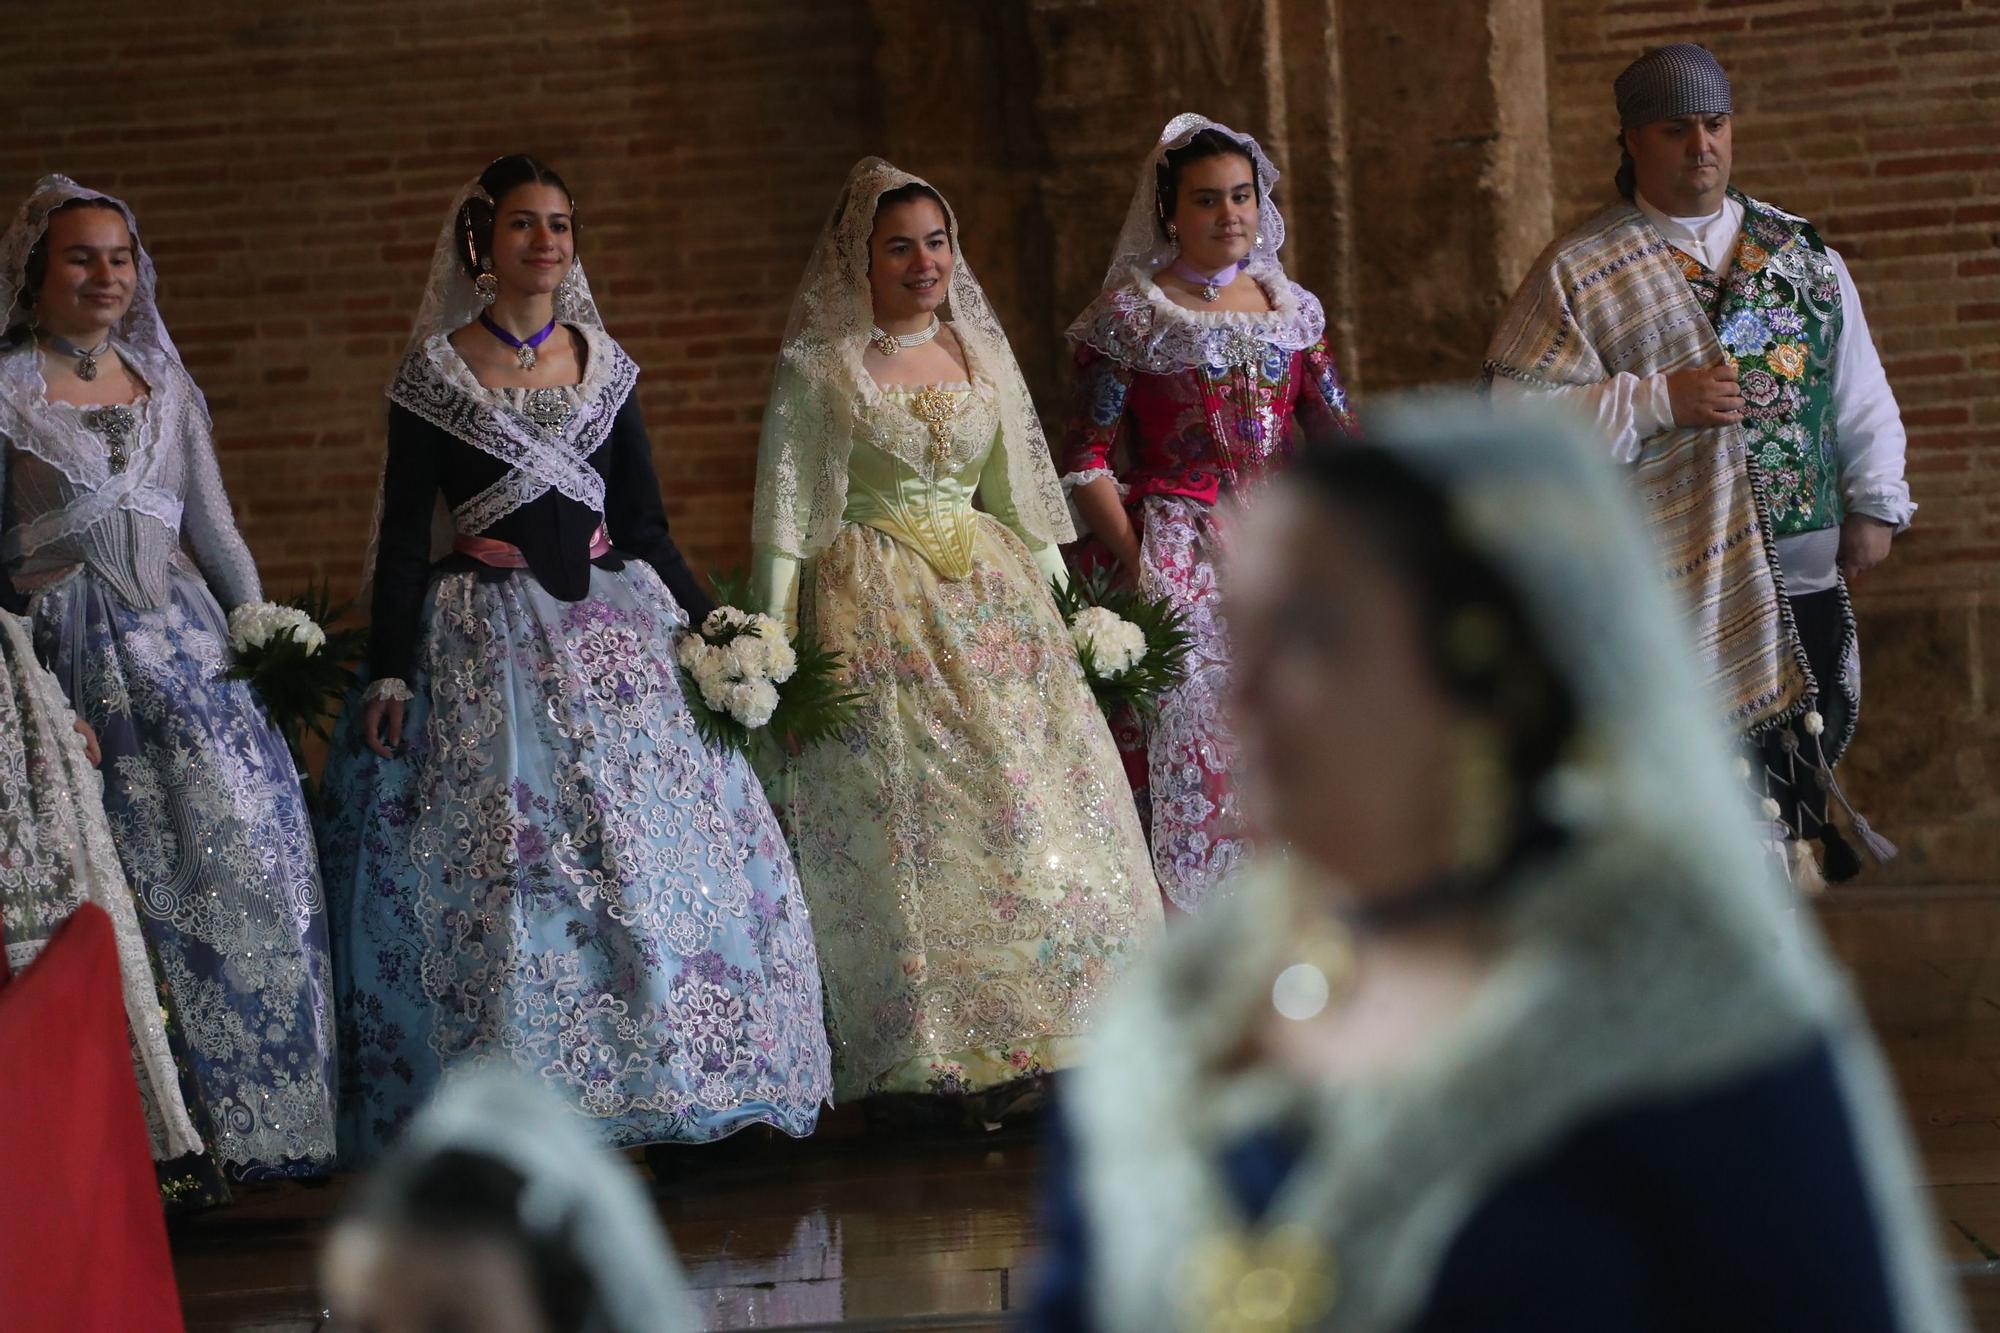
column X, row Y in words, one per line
column 1878, row 121
column 290, row 166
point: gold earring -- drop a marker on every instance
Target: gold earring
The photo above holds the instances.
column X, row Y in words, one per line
column 486, row 285
column 1173, row 233
column 1481, row 796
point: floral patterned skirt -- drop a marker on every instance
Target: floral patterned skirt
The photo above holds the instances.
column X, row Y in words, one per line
column 1198, row 833
column 211, row 829
column 970, row 849
column 558, row 874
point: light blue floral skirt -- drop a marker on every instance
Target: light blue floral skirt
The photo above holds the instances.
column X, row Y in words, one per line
column 558, row 874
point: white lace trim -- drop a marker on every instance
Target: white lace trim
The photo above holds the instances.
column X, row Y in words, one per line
column 1138, row 325
column 435, row 384
column 389, row 687
column 1072, row 480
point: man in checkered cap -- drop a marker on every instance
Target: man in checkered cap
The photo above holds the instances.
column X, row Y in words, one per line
column 1721, row 348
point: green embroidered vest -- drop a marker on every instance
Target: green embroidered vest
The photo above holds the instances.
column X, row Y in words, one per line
column 1777, row 313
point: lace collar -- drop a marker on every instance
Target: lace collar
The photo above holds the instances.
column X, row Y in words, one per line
column 59, row 434
column 436, row 385
column 1138, row 324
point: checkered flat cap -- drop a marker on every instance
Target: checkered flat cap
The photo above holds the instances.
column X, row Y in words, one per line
column 1670, row 81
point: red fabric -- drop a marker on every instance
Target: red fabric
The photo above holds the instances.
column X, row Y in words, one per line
column 83, row 1245
column 1198, row 433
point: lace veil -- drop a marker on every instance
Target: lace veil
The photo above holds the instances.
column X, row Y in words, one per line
column 141, row 334
column 1142, row 243
column 817, row 391
column 574, row 1186
column 1131, row 321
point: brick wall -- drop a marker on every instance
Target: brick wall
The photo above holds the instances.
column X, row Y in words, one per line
column 290, row 166
column 1878, row 121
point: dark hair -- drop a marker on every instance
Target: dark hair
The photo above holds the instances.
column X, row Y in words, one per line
column 457, row 1194
column 503, row 176
column 1487, row 654
column 36, row 271
column 1208, row 143
column 909, row 194
column 1627, row 180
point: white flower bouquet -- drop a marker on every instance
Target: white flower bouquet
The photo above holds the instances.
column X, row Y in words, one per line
column 1133, row 648
column 749, row 680
column 299, row 667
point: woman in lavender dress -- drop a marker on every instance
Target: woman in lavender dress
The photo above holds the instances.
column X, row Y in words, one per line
column 109, row 468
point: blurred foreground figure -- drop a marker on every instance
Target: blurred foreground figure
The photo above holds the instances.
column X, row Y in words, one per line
column 499, row 1212
column 1527, row 1034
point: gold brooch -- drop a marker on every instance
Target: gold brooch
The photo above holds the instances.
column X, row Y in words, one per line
column 937, row 408
column 1273, row 1281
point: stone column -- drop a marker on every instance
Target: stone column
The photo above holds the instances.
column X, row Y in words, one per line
column 1448, row 155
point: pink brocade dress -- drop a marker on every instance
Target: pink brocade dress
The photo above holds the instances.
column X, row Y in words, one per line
column 1184, row 410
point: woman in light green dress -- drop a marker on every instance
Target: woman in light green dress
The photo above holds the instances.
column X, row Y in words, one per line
column 969, row 849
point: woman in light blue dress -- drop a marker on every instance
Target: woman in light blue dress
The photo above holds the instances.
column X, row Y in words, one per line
column 534, row 858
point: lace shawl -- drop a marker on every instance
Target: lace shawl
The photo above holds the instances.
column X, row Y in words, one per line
column 435, row 384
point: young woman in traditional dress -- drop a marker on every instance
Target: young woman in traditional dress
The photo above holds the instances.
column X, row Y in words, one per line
column 535, row 858
column 109, row 467
column 1192, row 366
column 1527, row 1033
column 970, row 850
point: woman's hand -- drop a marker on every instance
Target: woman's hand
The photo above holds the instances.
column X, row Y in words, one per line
column 90, row 747
column 1103, row 511
column 374, row 716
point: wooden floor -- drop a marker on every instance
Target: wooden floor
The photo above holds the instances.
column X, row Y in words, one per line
column 858, row 1231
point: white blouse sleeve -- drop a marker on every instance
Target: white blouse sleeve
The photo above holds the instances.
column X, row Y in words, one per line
column 1625, row 409
column 1869, row 424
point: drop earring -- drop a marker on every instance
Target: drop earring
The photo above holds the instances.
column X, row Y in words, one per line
column 1173, row 233
column 486, row 284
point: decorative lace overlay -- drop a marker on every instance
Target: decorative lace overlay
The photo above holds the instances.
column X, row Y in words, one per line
column 1198, row 834
column 56, row 854
column 70, row 507
column 205, row 809
column 1137, row 324
column 974, row 864
column 436, row 384
column 561, row 876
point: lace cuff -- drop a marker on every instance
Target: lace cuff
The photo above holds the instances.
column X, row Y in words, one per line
column 1072, row 480
column 389, row 687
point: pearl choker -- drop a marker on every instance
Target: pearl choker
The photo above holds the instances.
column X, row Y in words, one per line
column 888, row 344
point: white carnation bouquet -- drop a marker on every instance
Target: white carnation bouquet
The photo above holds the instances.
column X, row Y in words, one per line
column 298, row 659
column 1132, row 648
column 750, row 682
column 738, row 660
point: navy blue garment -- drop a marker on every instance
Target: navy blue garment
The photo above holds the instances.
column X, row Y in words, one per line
column 1739, row 1208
